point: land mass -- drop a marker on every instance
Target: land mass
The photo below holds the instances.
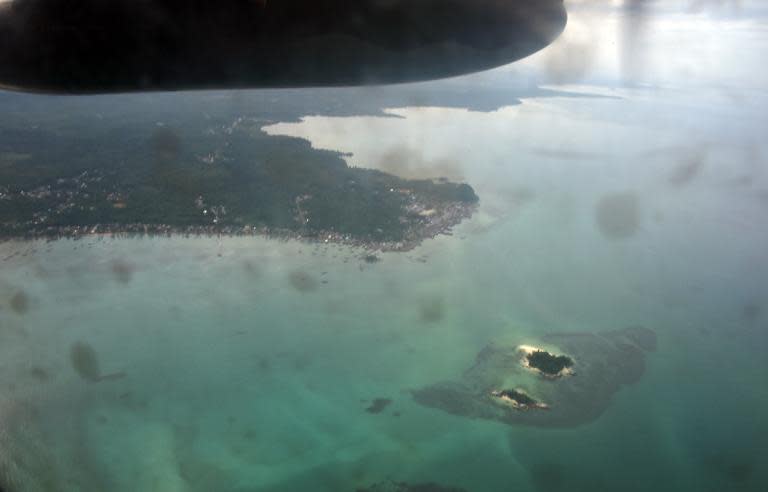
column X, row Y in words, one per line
column 545, row 363
column 213, row 178
column 198, row 163
column 517, row 399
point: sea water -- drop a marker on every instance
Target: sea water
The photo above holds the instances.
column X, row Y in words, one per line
column 252, row 363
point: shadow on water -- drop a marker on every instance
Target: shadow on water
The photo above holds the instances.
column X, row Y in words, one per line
column 687, row 170
column 122, row 271
column 85, row 362
column 19, row 303
column 252, row 269
column 556, row 477
column 432, row 310
column 734, row 469
column 378, row 405
column 408, row 162
column 751, row 312
column 548, row 477
column 40, row 374
column 618, row 215
column 302, row 281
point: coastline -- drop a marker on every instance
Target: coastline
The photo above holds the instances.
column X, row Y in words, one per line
column 438, row 222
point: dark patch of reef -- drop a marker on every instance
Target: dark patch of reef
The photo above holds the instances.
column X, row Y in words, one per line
column 391, row 486
column 378, row 405
column 19, row 303
column 85, row 362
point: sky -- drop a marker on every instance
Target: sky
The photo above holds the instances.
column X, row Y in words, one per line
column 656, row 43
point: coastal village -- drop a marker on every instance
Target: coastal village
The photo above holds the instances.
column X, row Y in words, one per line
column 228, row 184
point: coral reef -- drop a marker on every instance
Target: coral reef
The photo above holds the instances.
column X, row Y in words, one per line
column 606, row 361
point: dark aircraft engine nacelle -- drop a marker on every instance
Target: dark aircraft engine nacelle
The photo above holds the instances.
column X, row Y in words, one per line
column 100, row 46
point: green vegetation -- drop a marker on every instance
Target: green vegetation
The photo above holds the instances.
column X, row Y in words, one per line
column 518, row 397
column 200, row 169
column 547, row 363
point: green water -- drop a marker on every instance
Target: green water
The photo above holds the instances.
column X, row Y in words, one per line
column 235, row 380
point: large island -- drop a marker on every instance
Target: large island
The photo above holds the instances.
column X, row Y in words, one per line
column 207, row 176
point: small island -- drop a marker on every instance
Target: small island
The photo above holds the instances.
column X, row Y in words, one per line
column 545, row 363
column 503, row 384
column 517, row 399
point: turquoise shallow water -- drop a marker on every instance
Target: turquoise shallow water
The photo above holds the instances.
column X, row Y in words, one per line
column 237, row 380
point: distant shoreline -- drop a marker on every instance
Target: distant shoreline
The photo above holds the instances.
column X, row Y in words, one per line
column 440, row 223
